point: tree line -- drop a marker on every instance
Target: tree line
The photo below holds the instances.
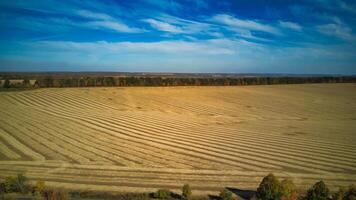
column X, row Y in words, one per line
column 270, row 188
column 49, row 81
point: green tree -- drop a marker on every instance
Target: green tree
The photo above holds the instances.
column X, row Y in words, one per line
column 26, row 83
column 162, row 194
column 319, row 191
column 186, row 191
column 269, row 188
column 7, row 83
column 288, row 190
column 225, row 195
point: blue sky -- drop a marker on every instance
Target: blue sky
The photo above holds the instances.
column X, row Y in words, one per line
column 237, row 36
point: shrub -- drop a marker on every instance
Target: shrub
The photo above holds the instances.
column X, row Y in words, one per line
column 186, row 191
column 22, row 183
column 346, row 194
column 10, row 184
column 16, row 184
column 288, row 190
column 162, row 194
column 7, row 83
column 340, row 195
column 351, row 194
column 133, row 196
column 2, row 188
column 319, row 191
column 26, row 83
column 269, row 188
column 54, row 194
column 39, row 188
column 225, row 195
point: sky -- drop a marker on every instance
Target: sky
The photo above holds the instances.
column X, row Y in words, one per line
column 183, row 36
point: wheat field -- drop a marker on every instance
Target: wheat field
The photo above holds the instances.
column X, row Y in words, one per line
column 144, row 138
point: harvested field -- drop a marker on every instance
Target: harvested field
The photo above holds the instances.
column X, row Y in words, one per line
column 144, row 138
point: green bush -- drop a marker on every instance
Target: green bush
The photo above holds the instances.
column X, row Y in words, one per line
column 2, row 190
column 7, row 83
column 10, row 183
column 288, row 190
column 16, row 184
column 269, row 188
column 162, row 194
column 351, row 194
column 133, row 196
column 340, row 195
column 225, row 195
column 319, row 191
column 39, row 188
column 346, row 194
column 186, row 192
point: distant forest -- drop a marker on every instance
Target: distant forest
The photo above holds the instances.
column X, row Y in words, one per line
column 23, row 80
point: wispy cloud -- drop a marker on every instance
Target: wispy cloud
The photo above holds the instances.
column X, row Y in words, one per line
column 339, row 5
column 164, row 4
column 111, row 25
column 337, row 29
column 208, row 47
column 104, row 21
column 177, row 25
column 236, row 23
column 65, row 15
column 163, row 26
column 93, row 15
column 180, row 33
column 290, row 25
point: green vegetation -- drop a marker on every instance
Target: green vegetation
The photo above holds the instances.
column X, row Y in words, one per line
column 2, row 190
column 288, row 190
column 225, row 195
column 39, row 188
column 270, row 188
column 162, row 194
column 109, row 196
column 186, row 192
column 346, row 194
column 319, row 191
column 55, row 194
column 6, row 83
column 16, row 184
column 107, row 81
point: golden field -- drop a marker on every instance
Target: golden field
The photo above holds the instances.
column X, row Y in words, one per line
column 144, row 138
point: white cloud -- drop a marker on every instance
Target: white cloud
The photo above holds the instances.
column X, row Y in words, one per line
column 93, row 15
column 225, row 55
column 102, row 20
column 111, row 25
column 165, row 4
column 337, row 5
column 235, row 23
column 290, row 25
column 174, row 24
column 338, row 30
column 206, row 47
column 163, row 26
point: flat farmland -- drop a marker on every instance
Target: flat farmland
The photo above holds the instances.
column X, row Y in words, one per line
column 144, row 138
